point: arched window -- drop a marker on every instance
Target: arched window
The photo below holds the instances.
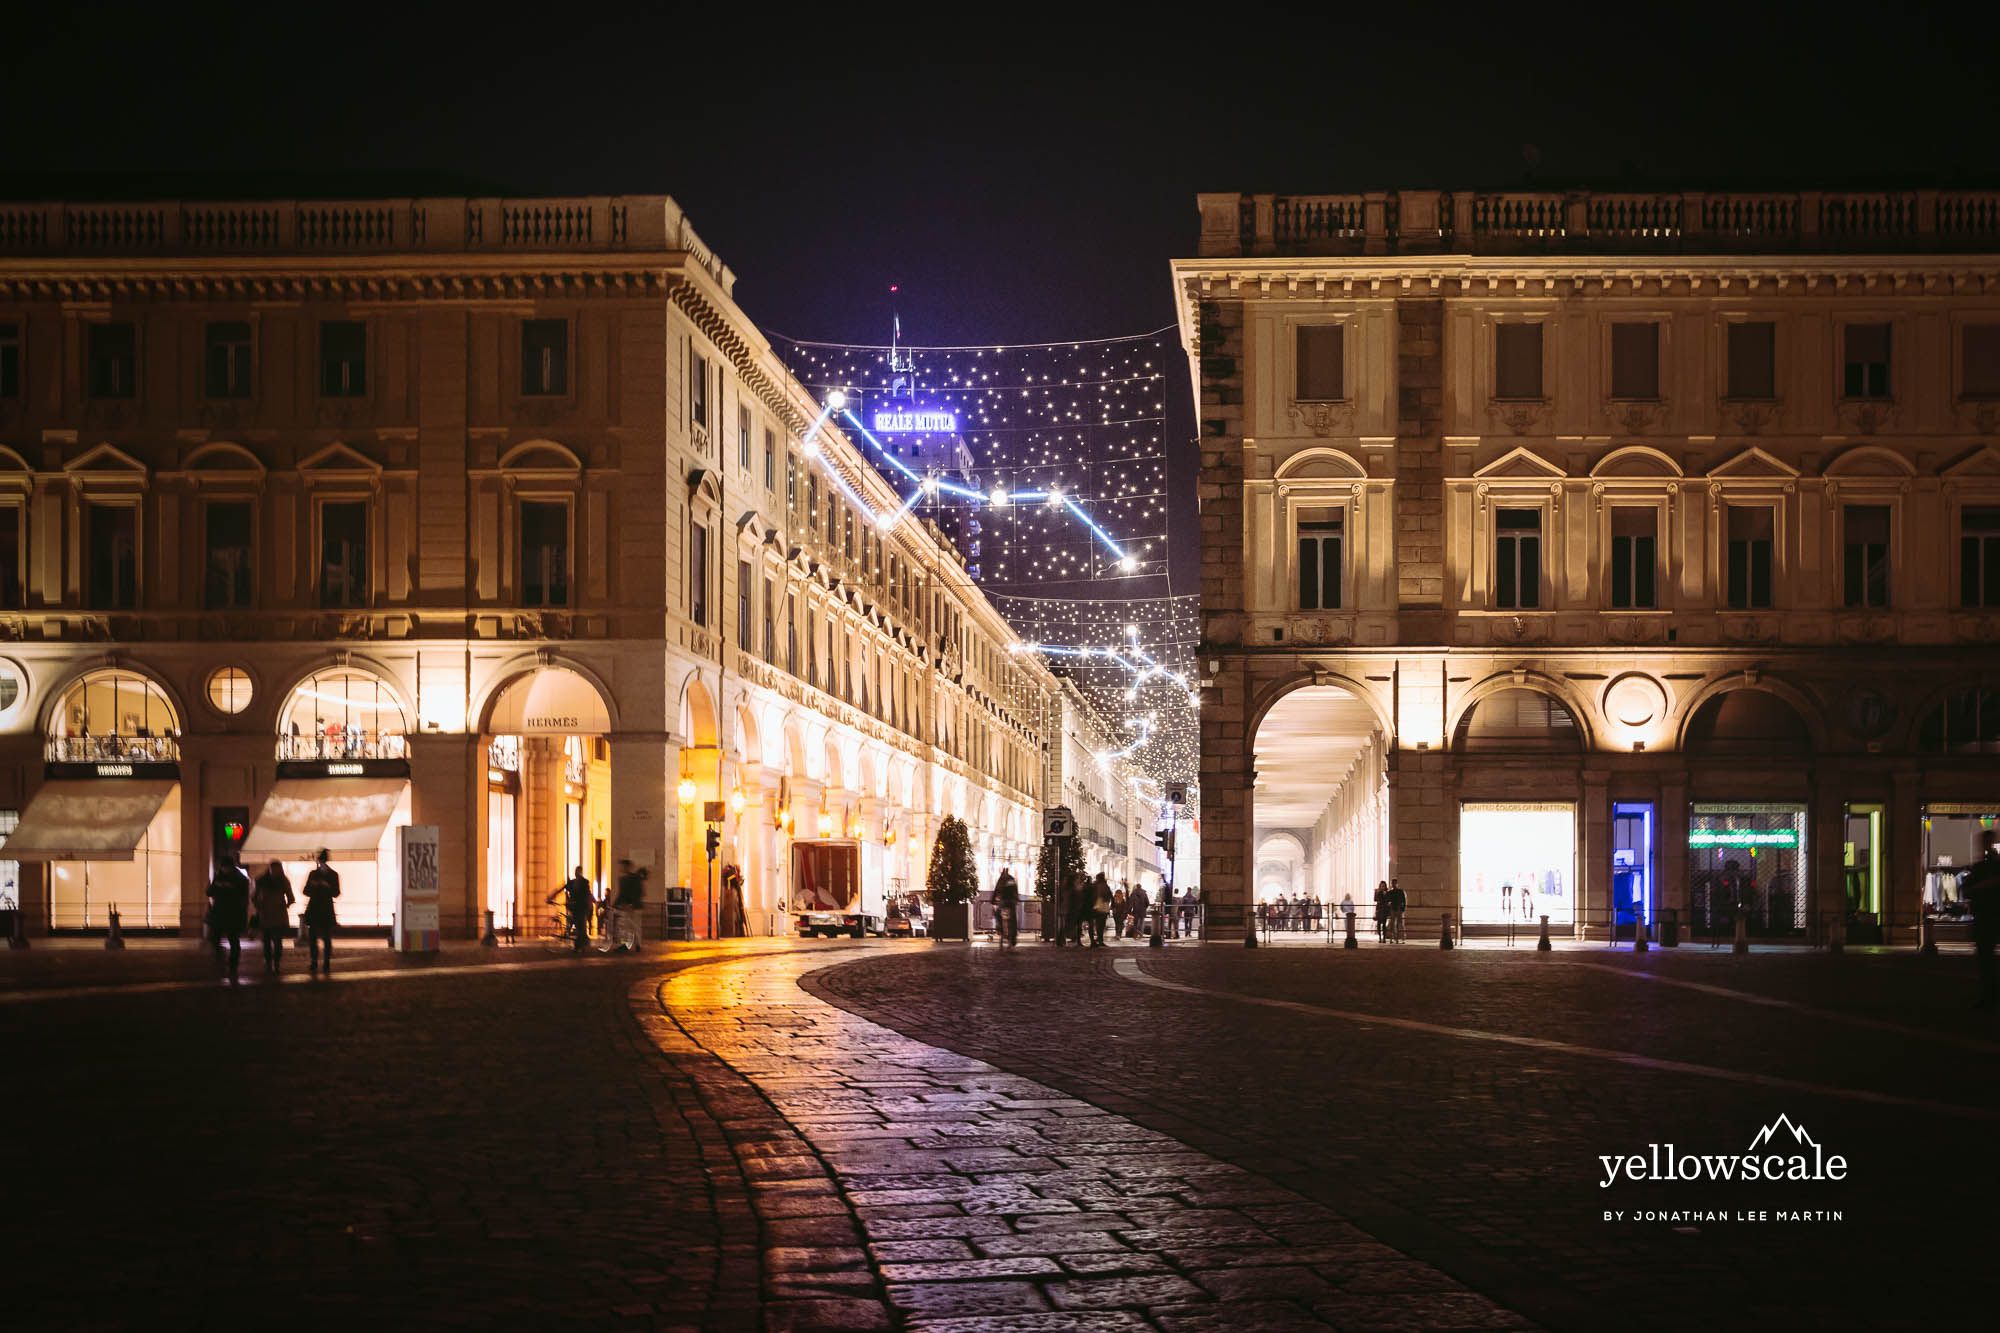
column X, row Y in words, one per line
column 1518, row 719
column 1967, row 722
column 114, row 715
column 1748, row 722
column 341, row 713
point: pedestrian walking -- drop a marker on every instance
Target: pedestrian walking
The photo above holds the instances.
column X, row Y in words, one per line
column 272, row 899
column 1121, row 904
column 1981, row 887
column 1399, row 903
column 1082, row 893
column 1007, row 909
column 322, row 887
column 1190, row 906
column 1381, row 910
column 577, row 902
column 1136, row 908
column 1100, row 908
column 628, row 909
column 228, row 912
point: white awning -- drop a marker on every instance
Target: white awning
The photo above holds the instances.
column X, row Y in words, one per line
column 346, row 816
column 82, row 820
column 550, row 702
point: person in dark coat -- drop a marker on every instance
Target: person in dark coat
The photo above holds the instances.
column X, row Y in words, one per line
column 1136, row 907
column 1098, row 908
column 1981, row 888
column 322, row 887
column 578, row 902
column 229, row 912
column 1007, row 908
column 272, row 897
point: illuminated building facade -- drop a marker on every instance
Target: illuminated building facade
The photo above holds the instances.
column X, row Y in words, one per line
column 317, row 519
column 1600, row 556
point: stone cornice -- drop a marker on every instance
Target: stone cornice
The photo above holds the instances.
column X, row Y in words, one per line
column 343, row 278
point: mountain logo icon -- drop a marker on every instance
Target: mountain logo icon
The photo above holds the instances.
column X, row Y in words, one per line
column 1770, row 1131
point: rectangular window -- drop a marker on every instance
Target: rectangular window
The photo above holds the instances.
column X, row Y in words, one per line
column 1865, row 543
column 544, row 357
column 770, row 621
column 1517, row 559
column 770, row 460
column 847, row 533
column 343, row 358
column 1979, row 360
column 343, row 553
column 114, row 360
column 227, row 359
column 1635, row 361
column 1753, row 360
column 10, row 360
column 1867, row 361
column 226, row 585
column 1319, row 559
column 744, row 637
column 832, row 524
column 1634, row 534
column 1979, row 555
column 792, row 484
column 812, row 655
column 698, row 389
column 544, row 553
column 11, row 582
column 1751, row 539
column 1321, row 372
column 112, row 532
column 1517, row 361
column 698, row 575
column 743, row 439
column 792, row 633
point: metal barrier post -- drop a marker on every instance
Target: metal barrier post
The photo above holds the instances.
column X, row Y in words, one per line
column 116, row 939
column 1444, row 930
column 1670, row 930
column 490, row 940
column 1639, row 944
column 1542, row 945
column 1742, row 941
column 1927, row 934
column 1352, row 943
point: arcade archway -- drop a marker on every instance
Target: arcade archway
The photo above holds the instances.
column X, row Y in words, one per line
column 548, row 792
column 1320, row 803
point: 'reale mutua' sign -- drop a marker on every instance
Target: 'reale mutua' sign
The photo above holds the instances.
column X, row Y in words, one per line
column 893, row 421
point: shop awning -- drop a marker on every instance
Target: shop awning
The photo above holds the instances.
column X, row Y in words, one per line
column 550, row 702
column 344, row 815
column 82, row 820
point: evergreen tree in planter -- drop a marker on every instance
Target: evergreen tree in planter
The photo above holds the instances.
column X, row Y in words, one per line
column 953, row 881
column 1058, row 856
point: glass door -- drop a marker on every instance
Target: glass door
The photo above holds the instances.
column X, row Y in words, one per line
column 1631, row 867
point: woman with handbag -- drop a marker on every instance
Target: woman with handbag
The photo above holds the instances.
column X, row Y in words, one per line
column 272, row 899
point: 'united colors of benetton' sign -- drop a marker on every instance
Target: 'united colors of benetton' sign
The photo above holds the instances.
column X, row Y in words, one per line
column 916, row 423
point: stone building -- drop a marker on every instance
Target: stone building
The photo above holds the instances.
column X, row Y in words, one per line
column 1600, row 556
column 318, row 519
column 1116, row 807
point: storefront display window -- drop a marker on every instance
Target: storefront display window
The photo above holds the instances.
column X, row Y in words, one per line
column 1517, row 863
column 1952, row 832
column 1747, row 859
column 1632, row 897
column 341, row 714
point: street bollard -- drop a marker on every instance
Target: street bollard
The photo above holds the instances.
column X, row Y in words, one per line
column 1158, row 940
column 1352, row 942
column 1836, row 938
column 1542, row 945
column 1444, row 931
column 1927, row 933
column 116, row 939
column 1670, row 929
column 490, row 940
column 1742, row 943
column 1639, row 944
column 1250, row 935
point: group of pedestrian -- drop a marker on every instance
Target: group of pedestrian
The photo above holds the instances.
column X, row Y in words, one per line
column 1390, row 904
column 620, row 913
column 1082, row 908
column 1087, row 909
column 1296, row 912
column 233, row 904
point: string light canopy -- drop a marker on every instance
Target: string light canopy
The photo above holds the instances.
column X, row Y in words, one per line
column 1045, row 465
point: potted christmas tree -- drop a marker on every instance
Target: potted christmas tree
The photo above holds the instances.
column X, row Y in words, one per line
column 953, row 881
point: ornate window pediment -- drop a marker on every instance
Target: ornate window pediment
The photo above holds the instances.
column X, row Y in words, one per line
column 1753, row 463
column 1871, row 460
column 1636, row 460
column 1320, row 465
column 1981, row 462
column 544, row 456
column 339, row 459
column 107, row 462
column 223, row 461
column 1520, row 464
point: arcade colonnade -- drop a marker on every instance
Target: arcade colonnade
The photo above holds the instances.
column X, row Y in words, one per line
column 122, row 776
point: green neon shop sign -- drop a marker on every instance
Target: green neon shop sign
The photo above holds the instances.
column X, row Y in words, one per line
column 1744, row 837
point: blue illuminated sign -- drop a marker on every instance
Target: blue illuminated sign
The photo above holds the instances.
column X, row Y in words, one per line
column 894, row 422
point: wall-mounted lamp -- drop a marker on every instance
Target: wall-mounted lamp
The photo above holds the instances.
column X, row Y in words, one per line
column 688, row 791
column 736, row 801
column 1638, row 747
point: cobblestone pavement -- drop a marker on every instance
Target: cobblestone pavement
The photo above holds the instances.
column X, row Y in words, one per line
column 1480, row 1157
column 472, row 1144
column 938, row 1193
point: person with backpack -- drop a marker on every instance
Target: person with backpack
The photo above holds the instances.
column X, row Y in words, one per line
column 1006, row 909
column 228, row 912
column 322, row 887
column 272, row 898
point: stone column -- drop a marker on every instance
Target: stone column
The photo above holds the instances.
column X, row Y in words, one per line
column 643, row 778
column 1226, row 866
column 1672, row 848
column 1902, row 899
column 1593, row 900
column 1419, row 487
column 1826, row 863
column 1227, row 856
column 445, row 770
column 1423, row 830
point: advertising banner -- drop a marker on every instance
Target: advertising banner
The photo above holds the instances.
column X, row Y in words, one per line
column 417, row 896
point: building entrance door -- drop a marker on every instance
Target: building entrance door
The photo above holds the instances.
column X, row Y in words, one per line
column 1631, row 867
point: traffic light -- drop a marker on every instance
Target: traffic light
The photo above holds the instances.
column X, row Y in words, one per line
column 1164, row 840
column 714, row 841
column 229, row 825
